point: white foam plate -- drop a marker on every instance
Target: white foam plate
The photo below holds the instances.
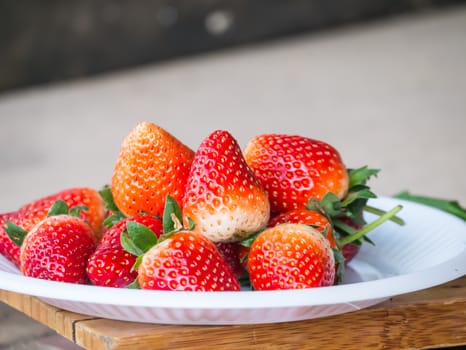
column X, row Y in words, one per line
column 429, row 250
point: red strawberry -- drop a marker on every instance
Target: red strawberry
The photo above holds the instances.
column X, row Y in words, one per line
column 234, row 254
column 111, row 265
column 294, row 169
column 24, row 219
column 223, row 197
column 73, row 197
column 349, row 251
column 290, row 256
column 151, row 165
column 7, row 247
column 30, row 214
column 187, row 261
column 308, row 217
column 111, row 238
column 57, row 249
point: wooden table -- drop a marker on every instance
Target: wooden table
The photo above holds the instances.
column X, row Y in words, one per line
column 435, row 317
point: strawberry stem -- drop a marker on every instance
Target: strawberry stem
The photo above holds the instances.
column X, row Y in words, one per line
column 379, row 221
column 380, row 212
column 177, row 225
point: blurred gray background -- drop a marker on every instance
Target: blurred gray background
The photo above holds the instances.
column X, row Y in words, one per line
column 55, row 40
column 385, row 84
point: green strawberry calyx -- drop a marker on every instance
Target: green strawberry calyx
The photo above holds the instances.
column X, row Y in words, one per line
column 350, row 209
column 138, row 239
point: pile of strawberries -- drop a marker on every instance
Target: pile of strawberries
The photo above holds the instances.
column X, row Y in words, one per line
column 285, row 213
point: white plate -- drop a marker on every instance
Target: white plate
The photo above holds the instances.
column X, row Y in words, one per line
column 429, row 250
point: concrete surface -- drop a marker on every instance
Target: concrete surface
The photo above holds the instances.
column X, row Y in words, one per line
column 389, row 94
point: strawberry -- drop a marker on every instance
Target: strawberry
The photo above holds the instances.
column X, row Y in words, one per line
column 349, row 251
column 294, row 169
column 30, row 214
column 111, row 265
column 73, row 197
column 234, row 254
column 180, row 259
column 57, row 248
column 290, row 256
column 301, row 173
column 323, row 225
column 308, row 217
column 223, row 198
column 151, row 165
column 187, row 261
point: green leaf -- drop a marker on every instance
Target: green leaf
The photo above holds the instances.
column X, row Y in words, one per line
column 247, row 242
column 449, row 206
column 340, row 263
column 137, row 263
column 107, row 196
column 366, row 239
column 244, row 281
column 361, row 175
column 338, row 255
column 141, row 236
column 360, row 192
column 128, row 244
column 16, row 233
column 354, row 211
column 76, row 211
column 113, row 219
column 191, row 224
column 339, row 274
column 134, row 285
column 331, row 204
column 314, row 205
column 58, row 208
column 171, row 213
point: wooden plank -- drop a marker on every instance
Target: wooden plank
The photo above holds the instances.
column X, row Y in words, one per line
column 413, row 327
column 59, row 320
column 429, row 318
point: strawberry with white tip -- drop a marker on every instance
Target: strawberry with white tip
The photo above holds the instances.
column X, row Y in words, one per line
column 223, row 198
